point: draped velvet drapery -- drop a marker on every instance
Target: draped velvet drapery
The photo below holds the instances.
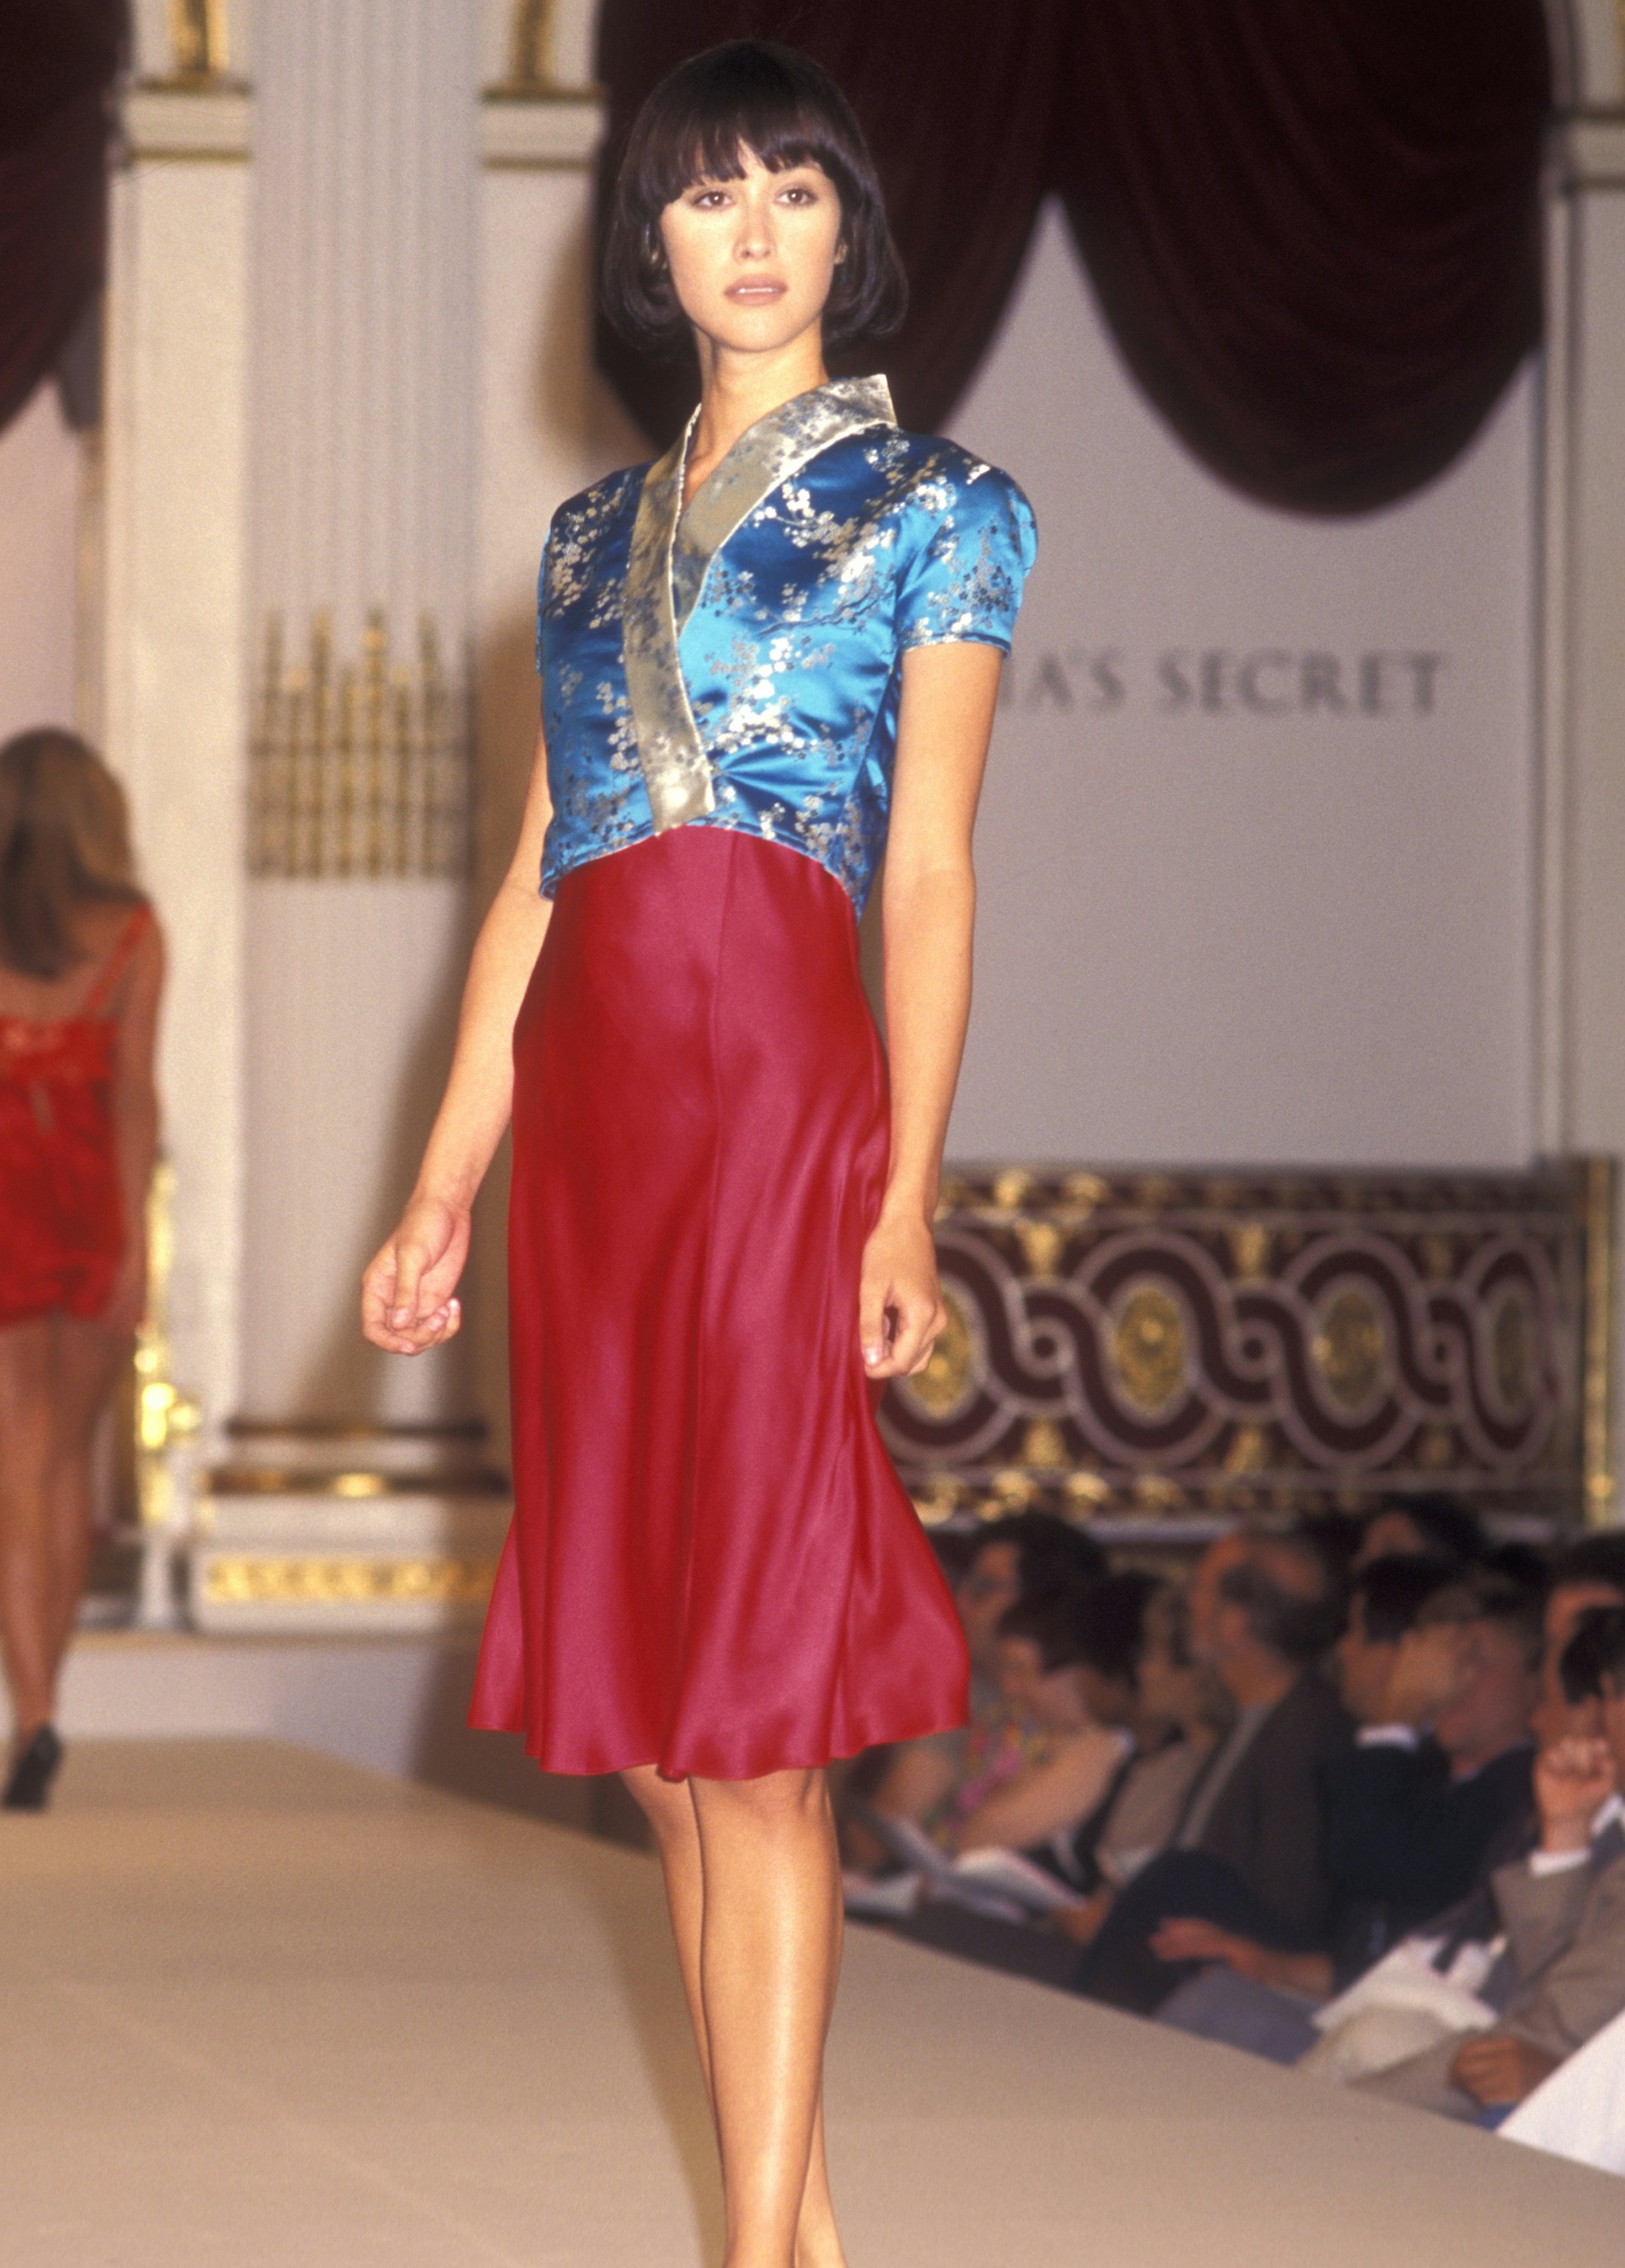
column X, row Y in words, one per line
column 57, row 61
column 1312, row 230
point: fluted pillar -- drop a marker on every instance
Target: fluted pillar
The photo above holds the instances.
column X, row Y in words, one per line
column 366, row 252
column 176, row 637
column 1582, row 990
column 547, row 428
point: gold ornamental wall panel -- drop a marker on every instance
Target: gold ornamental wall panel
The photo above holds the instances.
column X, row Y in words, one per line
column 358, row 768
column 1172, row 1344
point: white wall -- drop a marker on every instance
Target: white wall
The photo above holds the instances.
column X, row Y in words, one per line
column 39, row 522
column 1209, row 932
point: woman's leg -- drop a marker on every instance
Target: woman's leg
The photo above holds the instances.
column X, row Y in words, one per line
column 763, row 1898
column 769, row 1952
column 668, row 1806
column 87, row 1360
column 25, row 1583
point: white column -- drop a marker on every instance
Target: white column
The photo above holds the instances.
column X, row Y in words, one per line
column 546, row 429
column 175, row 641
column 1582, row 876
column 364, row 416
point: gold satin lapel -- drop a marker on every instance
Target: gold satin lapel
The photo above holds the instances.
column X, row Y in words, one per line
column 675, row 768
column 773, row 451
column 669, row 748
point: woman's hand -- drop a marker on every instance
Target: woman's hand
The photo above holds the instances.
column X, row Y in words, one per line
column 899, row 1309
column 406, row 1301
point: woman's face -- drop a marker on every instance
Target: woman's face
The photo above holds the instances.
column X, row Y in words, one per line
column 990, row 1585
column 752, row 260
column 1053, row 1698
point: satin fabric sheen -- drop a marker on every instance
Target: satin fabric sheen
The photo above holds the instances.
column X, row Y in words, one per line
column 789, row 633
column 713, row 1568
column 62, row 1212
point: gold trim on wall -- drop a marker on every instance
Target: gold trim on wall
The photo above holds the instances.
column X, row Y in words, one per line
column 348, row 1582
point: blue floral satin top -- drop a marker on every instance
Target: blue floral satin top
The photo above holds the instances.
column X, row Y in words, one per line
column 738, row 664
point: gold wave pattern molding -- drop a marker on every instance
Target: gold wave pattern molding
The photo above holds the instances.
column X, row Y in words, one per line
column 1159, row 1343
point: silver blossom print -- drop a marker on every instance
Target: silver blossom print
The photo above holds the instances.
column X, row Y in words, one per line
column 738, row 662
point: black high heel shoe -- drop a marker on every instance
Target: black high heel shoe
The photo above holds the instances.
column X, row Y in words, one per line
column 29, row 1787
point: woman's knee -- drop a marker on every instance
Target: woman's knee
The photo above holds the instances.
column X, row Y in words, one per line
column 666, row 1804
column 780, row 1799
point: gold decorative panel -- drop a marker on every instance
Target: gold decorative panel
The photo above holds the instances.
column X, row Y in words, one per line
column 358, row 768
column 1148, row 1349
column 1350, row 1348
column 942, row 1383
column 1162, row 1344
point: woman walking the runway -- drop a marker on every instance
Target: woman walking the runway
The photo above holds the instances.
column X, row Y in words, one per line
column 81, row 968
column 765, row 659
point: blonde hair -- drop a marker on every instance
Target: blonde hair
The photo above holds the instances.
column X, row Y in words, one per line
column 64, row 841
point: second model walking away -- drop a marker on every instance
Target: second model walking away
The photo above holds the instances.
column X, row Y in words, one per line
column 766, row 659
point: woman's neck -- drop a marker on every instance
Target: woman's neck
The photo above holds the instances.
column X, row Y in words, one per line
column 735, row 390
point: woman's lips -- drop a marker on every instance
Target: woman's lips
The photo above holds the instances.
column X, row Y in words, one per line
column 753, row 292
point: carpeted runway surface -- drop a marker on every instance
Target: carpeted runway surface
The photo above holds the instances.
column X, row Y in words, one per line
column 259, row 2007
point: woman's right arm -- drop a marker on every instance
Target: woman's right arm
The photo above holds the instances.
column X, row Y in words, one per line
column 406, row 1301
column 1048, row 1798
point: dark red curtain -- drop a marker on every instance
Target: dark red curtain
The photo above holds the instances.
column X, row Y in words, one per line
column 57, row 60
column 1313, row 229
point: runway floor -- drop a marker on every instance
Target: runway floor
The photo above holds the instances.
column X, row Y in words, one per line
column 260, row 2008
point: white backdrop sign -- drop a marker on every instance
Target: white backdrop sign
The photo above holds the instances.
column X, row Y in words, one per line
column 1256, row 854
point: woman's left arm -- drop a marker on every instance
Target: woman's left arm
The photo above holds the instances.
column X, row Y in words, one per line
column 135, row 1123
column 928, row 909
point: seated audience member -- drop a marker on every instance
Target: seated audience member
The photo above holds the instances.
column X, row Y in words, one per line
column 1589, row 1574
column 1137, row 1671
column 1247, row 1852
column 1561, row 1976
column 1430, row 1527
column 1442, row 1770
column 1443, row 1677
column 1181, row 1710
column 1046, row 1680
column 1029, row 1556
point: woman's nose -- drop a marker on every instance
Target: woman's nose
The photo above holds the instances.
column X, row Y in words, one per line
column 754, row 240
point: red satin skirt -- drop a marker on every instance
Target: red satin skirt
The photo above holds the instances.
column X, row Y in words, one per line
column 713, row 1566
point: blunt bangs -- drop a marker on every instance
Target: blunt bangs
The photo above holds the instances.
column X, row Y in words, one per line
column 697, row 124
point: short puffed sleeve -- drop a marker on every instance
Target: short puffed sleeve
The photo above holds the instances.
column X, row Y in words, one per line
column 967, row 549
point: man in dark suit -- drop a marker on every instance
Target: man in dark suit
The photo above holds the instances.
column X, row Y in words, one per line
column 1442, row 1677
column 1561, row 1976
column 1246, row 1854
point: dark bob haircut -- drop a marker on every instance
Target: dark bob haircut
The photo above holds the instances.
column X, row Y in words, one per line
column 751, row 95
